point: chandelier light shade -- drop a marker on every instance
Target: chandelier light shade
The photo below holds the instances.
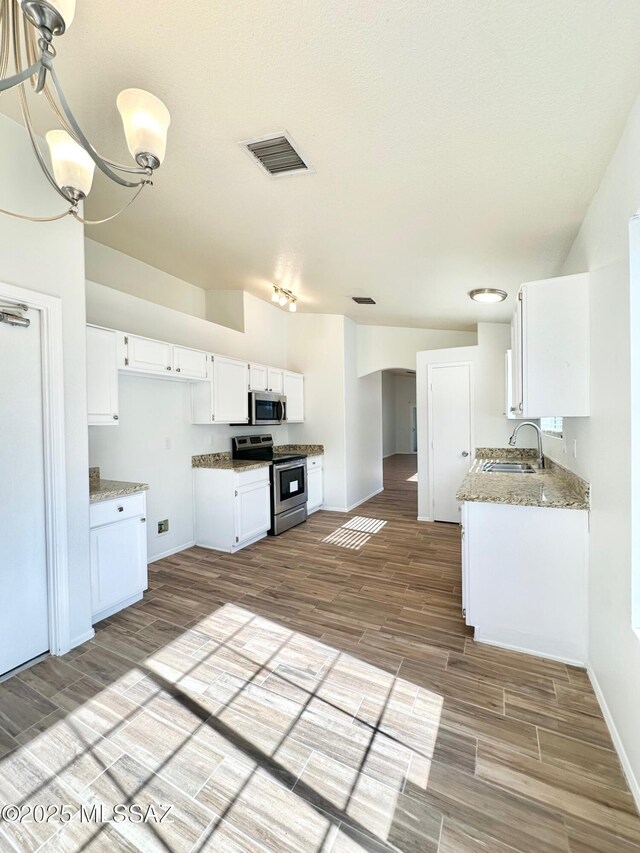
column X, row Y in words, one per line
column 146, row 122
column 72, row 167
column 27, row 32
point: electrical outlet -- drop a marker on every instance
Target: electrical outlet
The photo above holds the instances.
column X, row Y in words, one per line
column 163, row 526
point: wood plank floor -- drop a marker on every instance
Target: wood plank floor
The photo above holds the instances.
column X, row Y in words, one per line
column 316, row 691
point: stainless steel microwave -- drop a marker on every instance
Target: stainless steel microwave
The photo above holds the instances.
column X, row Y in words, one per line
column 267, row 408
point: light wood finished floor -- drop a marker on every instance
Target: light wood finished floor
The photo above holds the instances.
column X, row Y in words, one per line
column 317, row 691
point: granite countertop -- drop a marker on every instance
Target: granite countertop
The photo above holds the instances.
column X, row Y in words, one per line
column 105, row 490
column 550, row 487
column 224, row 462
column 302, row 449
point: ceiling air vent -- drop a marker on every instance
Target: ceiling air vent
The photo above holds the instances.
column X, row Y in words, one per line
column 363, row 300
column 277, row 154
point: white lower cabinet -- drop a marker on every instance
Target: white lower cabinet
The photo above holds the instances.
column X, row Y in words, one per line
column 118, row 542
column 315, row 488
column 232, row 509
column 524, row 578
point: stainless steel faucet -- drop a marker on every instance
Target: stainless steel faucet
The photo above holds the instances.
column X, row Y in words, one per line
column 514, row 435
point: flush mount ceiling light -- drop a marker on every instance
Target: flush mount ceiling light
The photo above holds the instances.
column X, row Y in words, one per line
column 488, row 295
column 284, row 298
column 31, row 26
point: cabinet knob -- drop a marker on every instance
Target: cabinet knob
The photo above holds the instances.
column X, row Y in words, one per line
column 465, row 452
column 168, row 368
column 115, row 417
column 512, row 409
column 177, row 370
column 143, row 519
column 120, row 509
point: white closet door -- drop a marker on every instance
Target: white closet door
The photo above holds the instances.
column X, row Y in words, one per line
column 24, row 620
column 450, row 435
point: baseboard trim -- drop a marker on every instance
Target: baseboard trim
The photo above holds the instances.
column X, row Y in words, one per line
column 353, row 506
column 172, row 551
column 511, row 647
column 82, row 638
column 633, row 783
column 424, row 518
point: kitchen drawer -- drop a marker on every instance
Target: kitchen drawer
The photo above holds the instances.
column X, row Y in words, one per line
column 314, row 462
column 255, row 475
column 107, row 512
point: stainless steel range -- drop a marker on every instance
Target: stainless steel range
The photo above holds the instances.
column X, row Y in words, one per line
column 288, row 475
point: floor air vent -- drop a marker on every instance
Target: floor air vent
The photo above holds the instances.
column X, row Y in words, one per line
column 277, row 155
column 363, row 300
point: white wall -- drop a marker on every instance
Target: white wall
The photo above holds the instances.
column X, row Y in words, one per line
column 388, row 414
column 492, row 428
column 316, row 348
column 49, row 258
column 389, row 347
column 363, row 418
column 604, row 442
column 121, row 272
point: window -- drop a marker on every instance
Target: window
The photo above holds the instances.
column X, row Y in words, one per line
column 551, row 426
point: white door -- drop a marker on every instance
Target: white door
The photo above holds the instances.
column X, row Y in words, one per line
column 24, row 619
column 294, row 392
column 275, row 380
column 230, row 397
column 148, row 356
column 190, row 363
column 253, row 513
column 450, row 435
column 257, row 377
column 102, row 377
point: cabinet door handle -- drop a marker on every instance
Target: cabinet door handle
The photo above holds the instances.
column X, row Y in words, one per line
column 120, row 509
column 115, row 417
column 143, row 519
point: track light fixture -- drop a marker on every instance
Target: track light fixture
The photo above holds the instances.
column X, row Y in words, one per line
column 284, row 298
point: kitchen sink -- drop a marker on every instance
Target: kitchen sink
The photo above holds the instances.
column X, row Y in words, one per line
column 508, row 467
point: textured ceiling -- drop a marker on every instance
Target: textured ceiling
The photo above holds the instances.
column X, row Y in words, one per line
column 456, row 144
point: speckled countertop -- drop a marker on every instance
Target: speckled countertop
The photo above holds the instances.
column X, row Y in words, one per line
column 105, row 490
column 551, row 487
column 223, row 462
column 304, row 449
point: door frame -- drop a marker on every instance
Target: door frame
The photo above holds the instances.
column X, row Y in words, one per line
column 472, row 442
column 55, row 480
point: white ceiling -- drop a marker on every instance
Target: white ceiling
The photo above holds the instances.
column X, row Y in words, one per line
column 456, row 144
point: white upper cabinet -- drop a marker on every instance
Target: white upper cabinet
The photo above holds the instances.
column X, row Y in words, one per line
column 223, row 399
column 550, row 348
column 230, row 397
column 190, row 363
column 275, row 380
column 257, row 377
column 147, row 356
column 102, row 377
column 294, row 392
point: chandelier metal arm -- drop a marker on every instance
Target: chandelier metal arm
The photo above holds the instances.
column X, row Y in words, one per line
column 97, row 159
column 77, row 216
column 10, row 82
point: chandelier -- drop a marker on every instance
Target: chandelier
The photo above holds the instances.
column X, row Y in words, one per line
column 29, row 27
